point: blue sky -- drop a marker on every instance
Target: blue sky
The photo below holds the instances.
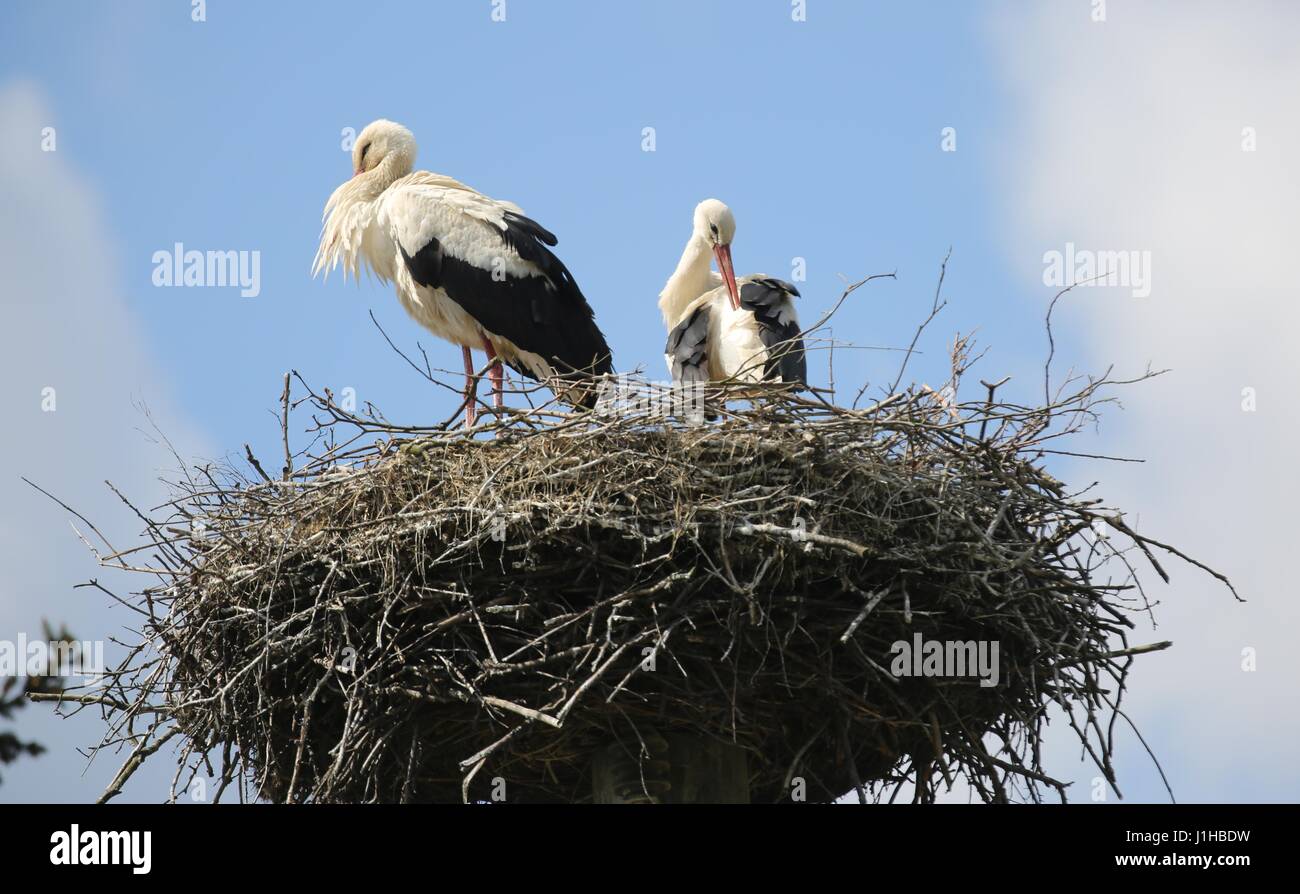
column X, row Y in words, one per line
column 824, row 136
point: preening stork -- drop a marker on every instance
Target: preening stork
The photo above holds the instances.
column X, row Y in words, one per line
column 720, row 327
column 472, row 270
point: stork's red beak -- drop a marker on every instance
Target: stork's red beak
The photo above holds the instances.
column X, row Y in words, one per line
column 723, row 255
column 357, row 173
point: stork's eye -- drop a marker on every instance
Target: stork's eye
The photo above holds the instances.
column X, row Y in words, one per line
column 364, row 149
column 714, row 228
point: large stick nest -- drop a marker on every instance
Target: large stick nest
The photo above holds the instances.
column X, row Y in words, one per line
column 424, row 615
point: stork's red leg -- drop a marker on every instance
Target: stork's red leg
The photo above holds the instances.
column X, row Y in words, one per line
column 495, row 374
column 471, row 389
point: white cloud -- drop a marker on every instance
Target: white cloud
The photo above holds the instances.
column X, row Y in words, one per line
column 67, row 327
column 1130, row 138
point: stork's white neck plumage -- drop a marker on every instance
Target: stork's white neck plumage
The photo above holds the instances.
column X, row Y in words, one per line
column 692, row 278
column 350, row 212
column 372, row 183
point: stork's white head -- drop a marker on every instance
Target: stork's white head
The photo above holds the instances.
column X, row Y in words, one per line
column 715, row 224
column 384, row 141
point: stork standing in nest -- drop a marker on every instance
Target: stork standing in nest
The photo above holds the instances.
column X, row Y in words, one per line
column 472, row 270
column 721, row 327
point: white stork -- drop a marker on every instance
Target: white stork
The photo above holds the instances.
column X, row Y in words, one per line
column 720, row 327
column 470, row 269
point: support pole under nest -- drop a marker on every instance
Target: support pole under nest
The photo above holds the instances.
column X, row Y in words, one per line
column 678, row 769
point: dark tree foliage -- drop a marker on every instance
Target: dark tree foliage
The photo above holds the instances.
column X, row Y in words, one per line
column 13, row 696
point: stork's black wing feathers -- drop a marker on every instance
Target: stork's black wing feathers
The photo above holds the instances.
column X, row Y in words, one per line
column 529, row 226
column 546, row 315
column 687, row 348
column 765, row 291
column 763, row 297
